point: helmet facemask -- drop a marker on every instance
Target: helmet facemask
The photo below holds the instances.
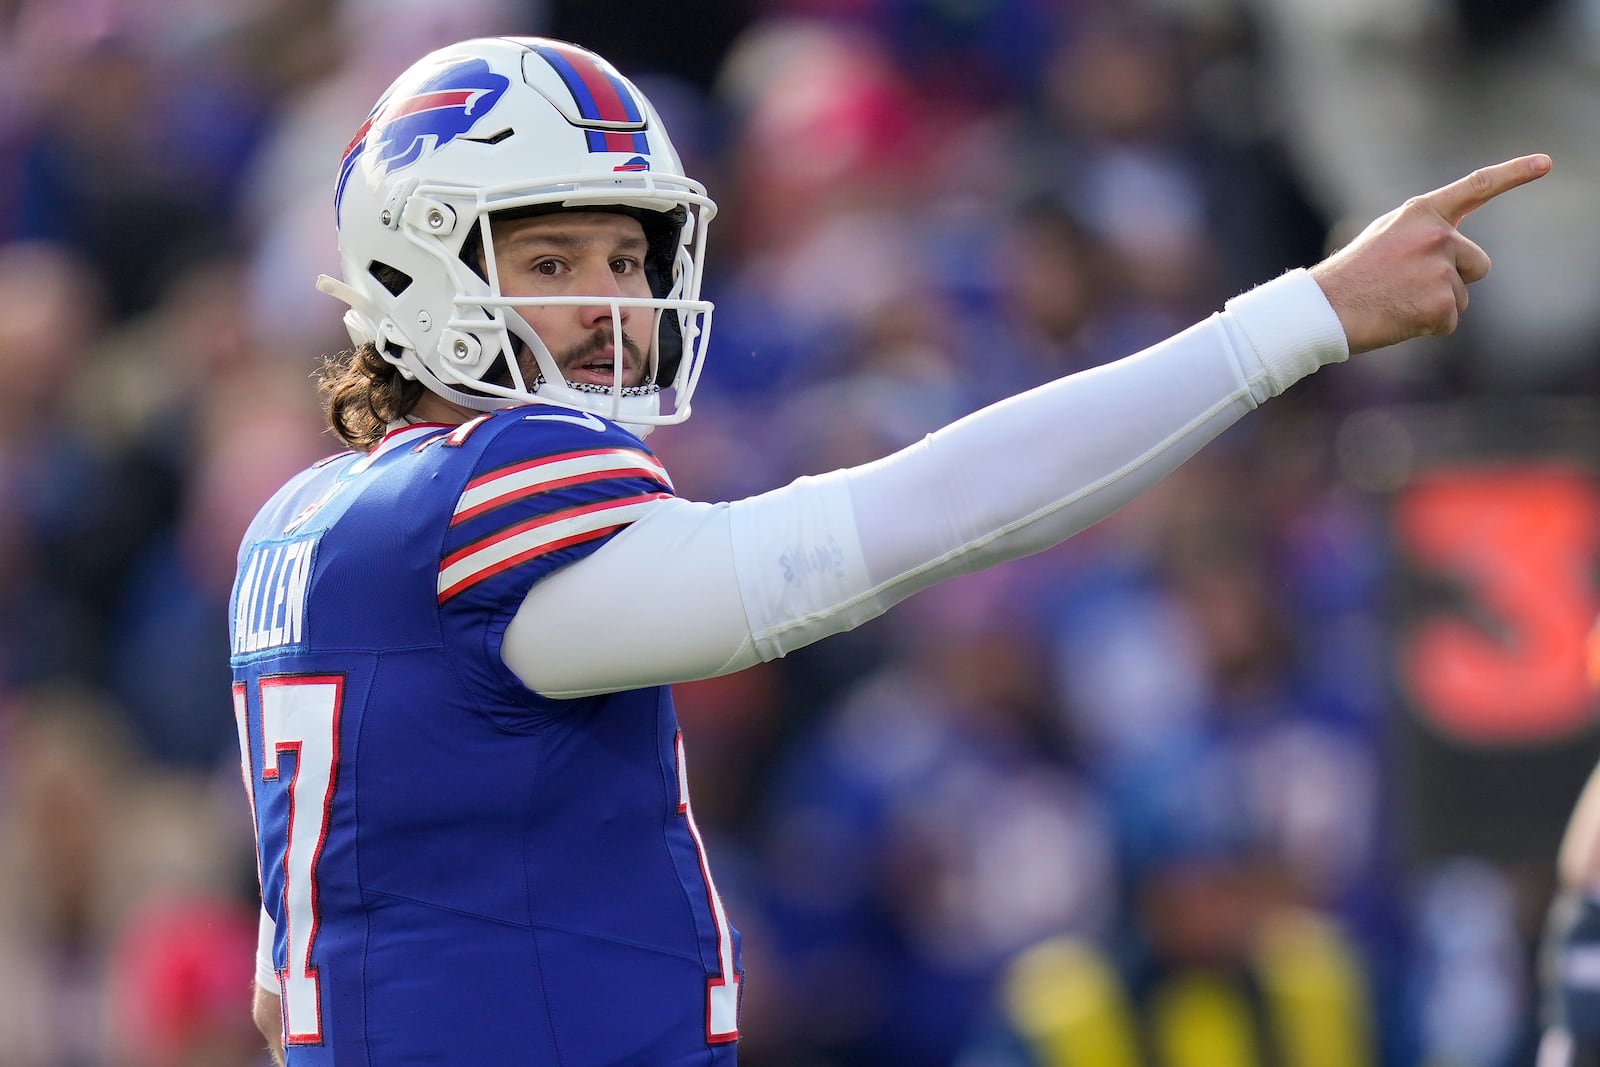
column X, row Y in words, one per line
column 534, row 368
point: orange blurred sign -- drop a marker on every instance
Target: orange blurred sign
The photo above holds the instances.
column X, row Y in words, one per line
column 1501, row 661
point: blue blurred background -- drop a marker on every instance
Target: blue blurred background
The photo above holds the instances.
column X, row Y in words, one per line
column 1266, row 771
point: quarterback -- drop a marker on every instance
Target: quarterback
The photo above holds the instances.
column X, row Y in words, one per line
column 452, row 644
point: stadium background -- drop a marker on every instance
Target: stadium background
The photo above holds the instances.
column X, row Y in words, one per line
column 1268, row 769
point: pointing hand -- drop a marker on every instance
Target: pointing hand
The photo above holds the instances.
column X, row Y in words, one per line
column 1406, row 274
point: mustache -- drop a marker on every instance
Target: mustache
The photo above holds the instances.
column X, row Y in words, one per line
column 596, row 343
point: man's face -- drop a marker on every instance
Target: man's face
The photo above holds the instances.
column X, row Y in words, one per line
column 580, row 254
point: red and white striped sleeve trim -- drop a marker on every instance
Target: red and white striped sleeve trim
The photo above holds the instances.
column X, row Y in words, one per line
column 517, row 544
column 522, row 480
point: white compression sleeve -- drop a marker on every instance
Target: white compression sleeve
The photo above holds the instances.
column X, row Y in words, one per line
column 715, row 588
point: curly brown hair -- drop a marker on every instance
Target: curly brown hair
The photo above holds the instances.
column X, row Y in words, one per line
column 362, row 393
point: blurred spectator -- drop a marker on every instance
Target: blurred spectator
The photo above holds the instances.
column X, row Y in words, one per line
column 827, row 147
column 1244, row 788
column 101, row 867
column 1062, row 307
column 286, row 211
column 1122, row 151
column 67, row 531
column 923, row 833
column 165, row 395
column 1471, row 991
column 132, row 137
column 249, row 431
column 974, row 54
column 58, row 894
column 1289, row 991
column 176, row 974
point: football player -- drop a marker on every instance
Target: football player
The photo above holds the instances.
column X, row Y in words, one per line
column 452, row 645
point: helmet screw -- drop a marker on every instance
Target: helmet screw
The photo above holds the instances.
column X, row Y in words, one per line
column 460, row 350
column 424, row 321
column 435, row 218
column 387, row 217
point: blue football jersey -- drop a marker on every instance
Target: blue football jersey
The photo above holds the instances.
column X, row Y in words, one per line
column 461, row 870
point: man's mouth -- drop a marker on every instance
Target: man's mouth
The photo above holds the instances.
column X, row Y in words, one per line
column 595, row 363
column 600, row 369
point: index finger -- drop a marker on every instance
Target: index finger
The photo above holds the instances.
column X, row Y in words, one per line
column 1466, row 195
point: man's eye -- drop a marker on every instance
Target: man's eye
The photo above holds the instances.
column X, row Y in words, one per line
column 624, row 266
column 547, row 267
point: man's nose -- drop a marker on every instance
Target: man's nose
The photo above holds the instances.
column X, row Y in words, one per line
column 603, row 284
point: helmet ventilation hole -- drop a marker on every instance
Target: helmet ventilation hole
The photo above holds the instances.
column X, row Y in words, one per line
column 393, row 279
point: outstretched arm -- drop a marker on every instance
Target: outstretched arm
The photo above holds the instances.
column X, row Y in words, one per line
column 777, row 571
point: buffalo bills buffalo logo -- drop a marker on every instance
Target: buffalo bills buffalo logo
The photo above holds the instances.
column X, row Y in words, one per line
column 418, row 119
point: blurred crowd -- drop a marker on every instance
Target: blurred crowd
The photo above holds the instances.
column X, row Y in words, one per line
column 1161, row 797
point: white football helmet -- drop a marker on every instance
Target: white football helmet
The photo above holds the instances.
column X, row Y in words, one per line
column 497, row 125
